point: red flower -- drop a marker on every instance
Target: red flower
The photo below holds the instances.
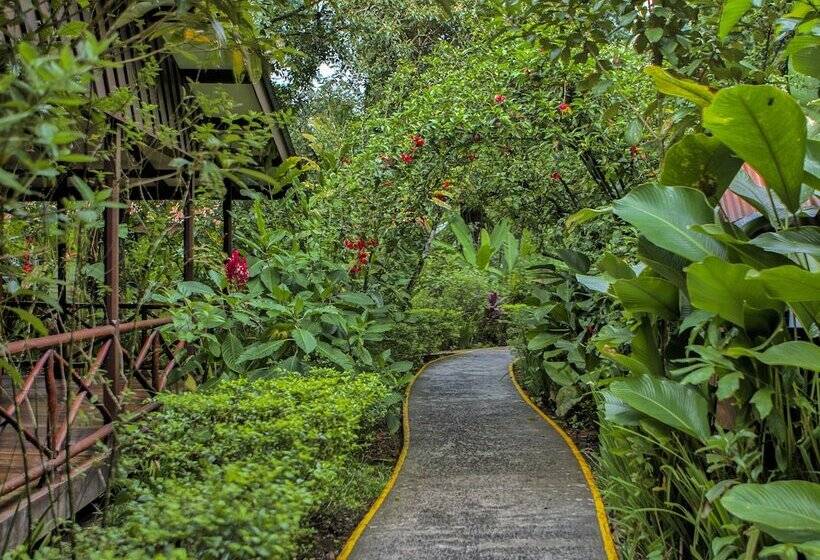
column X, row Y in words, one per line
column 500, row 98
column 634, row 150
column 355, row 269
column 555, row 176
column 407, row 158
column 564, row 108
column 446, row 184
column 418, row 140
column 348, row 244
column 236, row 269
column 27, row 266
column 364, row 256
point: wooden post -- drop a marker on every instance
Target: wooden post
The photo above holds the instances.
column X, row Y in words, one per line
column 227, row 222
column 188, row 233
column 113, row 361
column 62, row 288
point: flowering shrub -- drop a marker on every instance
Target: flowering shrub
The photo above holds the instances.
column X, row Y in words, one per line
column 236, row 270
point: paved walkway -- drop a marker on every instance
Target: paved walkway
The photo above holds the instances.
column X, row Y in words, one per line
column 485, row 477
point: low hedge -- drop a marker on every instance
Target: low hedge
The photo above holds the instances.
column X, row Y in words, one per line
column 244, row 469
column 424, row 331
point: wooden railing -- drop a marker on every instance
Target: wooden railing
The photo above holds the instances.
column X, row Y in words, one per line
column 103, row 371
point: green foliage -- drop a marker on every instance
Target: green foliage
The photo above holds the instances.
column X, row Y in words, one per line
column 241, row 470
column 425, row 331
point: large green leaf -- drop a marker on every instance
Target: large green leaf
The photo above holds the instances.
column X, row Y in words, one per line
column 788, row 510
column 791, row 284
column 701, row 162
column 648, row 295
column 304, row 339
column 259, row 350
column 732, row 11
column 806, row 60
column 767, row 128
column 614, row 266
column 485, row 251
column 680, row 87
column 794, row 353
column 664, row 215
column 724, row 289
column 464, row 237
column 668, row 265
column 357, row 298
column 231, row 350
column 335, row 355
column 805, row 239
column 763, row 200
column 585, row 215
column 673, row 404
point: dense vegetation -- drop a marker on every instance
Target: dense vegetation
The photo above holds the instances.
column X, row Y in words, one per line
column 541, row 174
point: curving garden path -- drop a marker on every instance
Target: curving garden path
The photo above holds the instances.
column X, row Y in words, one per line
column 484, row 476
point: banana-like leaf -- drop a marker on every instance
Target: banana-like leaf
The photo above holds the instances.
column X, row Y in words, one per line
column 788, row 510
column 665, row 82
column 665, row 216
column 465, row 239
column 585, row 215
column 805, row 239
column 724, row 289
column 701, row 162
column 732, row 11
column 793, row 353
column 668, row 402
column 648, row 295
column 767, row 128
column 791, row 284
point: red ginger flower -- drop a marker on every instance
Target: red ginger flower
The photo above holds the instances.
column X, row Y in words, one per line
column 236, row 270
column 364, row 256
column 555, row 176
column 27, row 266
column 500, row 98
column 418, row 140
column 407, row 158
column 564, row 108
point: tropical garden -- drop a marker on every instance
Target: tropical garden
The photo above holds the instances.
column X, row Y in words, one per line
column 549, row 175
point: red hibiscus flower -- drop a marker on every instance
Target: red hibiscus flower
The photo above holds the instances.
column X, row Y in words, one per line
column 407, row 158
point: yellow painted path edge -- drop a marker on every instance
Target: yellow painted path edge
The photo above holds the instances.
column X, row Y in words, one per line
column 600, row 510
column 405, row 420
